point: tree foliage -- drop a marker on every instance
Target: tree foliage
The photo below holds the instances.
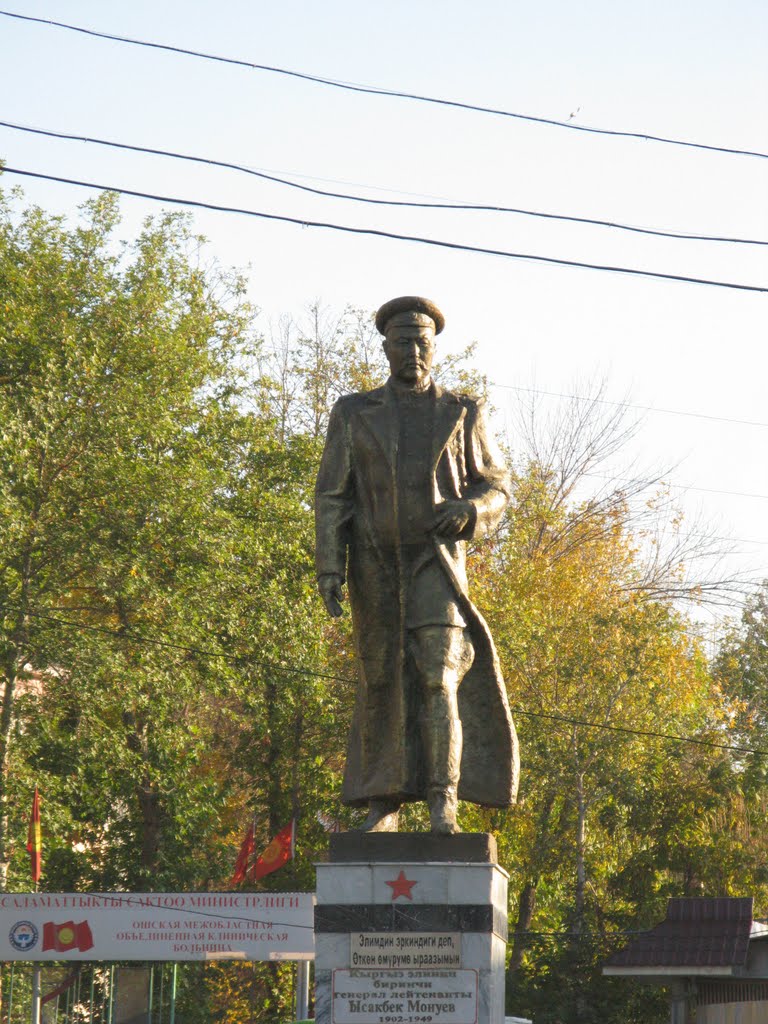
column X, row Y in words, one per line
column 167, row 673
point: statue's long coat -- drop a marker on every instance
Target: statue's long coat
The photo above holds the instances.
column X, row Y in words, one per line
column 356, row 506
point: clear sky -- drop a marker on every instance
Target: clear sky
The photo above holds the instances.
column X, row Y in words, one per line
column 694, row 71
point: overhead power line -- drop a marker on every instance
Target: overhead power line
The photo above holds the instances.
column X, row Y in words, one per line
column 379, row 91
column 375, row 233
column 665, row 411
column 136, row 638
column 631, row 405
column 684, row 487
column 410, row 204
column 639, row 732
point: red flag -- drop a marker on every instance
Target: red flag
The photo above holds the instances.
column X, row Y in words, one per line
column 279, row 852
column 66, row 936
column 246, row 852
column 35, row 839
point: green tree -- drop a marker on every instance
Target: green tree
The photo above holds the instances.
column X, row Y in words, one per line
column 160, row 631
column 113, row 360
column 740, row 672
column 582, row 607
column 168, row 672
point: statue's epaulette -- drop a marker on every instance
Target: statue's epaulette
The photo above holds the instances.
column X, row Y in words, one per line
column 348, row 403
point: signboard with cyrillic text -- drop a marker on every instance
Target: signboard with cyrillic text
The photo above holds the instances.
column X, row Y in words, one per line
column 404, row 997
column 157, row 926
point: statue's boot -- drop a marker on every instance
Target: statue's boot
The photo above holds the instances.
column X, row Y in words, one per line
column 442, row 733
column 442, row 803
column 383, row 816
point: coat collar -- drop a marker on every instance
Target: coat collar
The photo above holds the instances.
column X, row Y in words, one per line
column 379, row 413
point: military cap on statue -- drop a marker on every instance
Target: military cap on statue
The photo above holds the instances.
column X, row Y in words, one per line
column 411, row 308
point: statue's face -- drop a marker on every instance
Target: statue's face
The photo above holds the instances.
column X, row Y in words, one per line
column 410, row 350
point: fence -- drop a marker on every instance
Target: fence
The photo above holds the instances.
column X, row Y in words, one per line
column 91, row 993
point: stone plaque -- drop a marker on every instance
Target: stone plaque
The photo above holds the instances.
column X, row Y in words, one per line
column 404, row 997
column 405, row 949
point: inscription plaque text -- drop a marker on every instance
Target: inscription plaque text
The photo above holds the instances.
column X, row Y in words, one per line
column 405, row 949
column 404, row 997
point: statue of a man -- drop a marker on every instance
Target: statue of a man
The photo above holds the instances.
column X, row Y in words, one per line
column 409, row 474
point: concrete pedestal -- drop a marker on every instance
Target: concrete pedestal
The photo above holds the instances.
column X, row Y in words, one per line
column 405, row 931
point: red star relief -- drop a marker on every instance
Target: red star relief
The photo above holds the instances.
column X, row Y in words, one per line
column 401, row 886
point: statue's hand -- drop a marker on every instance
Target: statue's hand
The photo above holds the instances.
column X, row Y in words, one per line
column 329, row 585
column 453, row 517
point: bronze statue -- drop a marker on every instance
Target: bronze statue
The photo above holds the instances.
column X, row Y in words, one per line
column 409, row 474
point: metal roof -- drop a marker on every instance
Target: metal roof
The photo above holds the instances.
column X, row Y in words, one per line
column 705, row 934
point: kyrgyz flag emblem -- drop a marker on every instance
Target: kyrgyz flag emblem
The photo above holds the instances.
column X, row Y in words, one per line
column 66, row 936
column 279, row 852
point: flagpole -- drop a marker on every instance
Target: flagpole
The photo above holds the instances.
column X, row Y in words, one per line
column 302, row 989
column 36, row 987
column 36, row 991
column 34, row 849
